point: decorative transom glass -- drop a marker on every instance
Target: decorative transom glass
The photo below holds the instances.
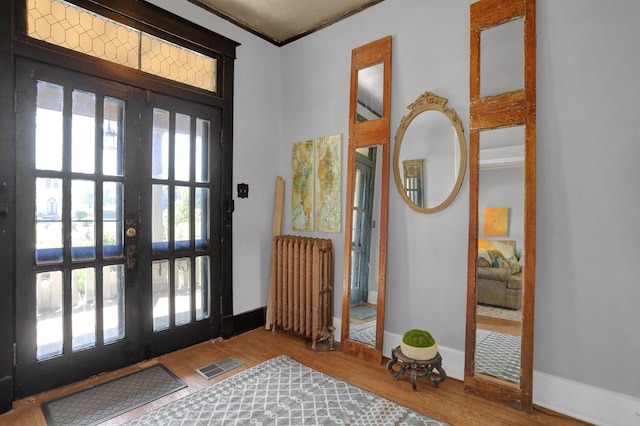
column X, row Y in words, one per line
column 64, row 24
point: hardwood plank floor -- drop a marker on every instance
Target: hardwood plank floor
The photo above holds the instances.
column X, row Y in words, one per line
column 447, row 403
column 499, row 325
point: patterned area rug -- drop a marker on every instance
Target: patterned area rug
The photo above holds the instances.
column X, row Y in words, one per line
column 498, row 355
column 107, row 400
column 364, row 333
column 282, row 391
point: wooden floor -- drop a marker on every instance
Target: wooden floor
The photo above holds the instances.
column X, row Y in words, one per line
column 447, row 403
column 499, row 325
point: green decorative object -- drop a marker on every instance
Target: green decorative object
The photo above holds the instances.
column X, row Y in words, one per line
column 419, row 345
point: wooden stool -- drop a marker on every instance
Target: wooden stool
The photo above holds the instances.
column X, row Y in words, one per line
column 417, row 368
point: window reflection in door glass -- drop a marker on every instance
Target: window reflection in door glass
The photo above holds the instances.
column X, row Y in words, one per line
column 160, row 218
column 48, row 220
column 113, row 137
column 112, row 245
column 182, row 155
column 113, row 303
column 49, row 309
column 202, row 218
column 160, row 289
column 202, row 150
column 83, row 306
column 182, row 294
column 49, row 126
column 83, row 132
column 160, row 144
column 83, row 222
column 182, row 217
column 203, row 287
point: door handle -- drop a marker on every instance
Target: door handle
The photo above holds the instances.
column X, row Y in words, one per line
column 131, row 242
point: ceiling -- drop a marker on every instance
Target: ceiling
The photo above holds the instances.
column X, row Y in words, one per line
column 283, row 21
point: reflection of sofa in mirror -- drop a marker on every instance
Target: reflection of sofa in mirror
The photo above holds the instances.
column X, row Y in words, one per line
column 499, row 274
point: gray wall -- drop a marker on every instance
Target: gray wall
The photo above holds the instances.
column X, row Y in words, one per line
column 587, row 290
column 256, row 152
column 588, row 145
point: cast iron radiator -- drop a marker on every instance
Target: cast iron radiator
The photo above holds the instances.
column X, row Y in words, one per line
column 302, row 274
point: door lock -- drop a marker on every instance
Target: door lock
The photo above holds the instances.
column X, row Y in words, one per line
column 131, row 233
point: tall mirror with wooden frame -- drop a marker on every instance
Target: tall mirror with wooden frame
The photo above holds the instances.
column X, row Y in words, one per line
column 502, row 208
column 365, row 245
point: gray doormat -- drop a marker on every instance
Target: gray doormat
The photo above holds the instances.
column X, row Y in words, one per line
column 362, row 312
column 110, row 399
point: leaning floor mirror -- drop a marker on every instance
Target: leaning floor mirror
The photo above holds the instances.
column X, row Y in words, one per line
column 365, row 246
column 502, row 207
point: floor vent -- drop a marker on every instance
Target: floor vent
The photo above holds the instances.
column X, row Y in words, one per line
column 212, row 370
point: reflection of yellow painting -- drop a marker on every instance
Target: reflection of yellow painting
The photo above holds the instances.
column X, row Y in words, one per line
column 328, row 183
column 302, row 186
column 496, row 221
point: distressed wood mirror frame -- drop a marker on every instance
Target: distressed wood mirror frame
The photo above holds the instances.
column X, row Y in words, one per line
column 515, row 108
column 362, row 134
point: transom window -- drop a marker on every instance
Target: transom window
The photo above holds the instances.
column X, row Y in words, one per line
column 64, row 24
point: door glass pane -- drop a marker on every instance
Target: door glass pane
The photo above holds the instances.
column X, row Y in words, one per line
column 202, row 150
column 83, row 132
column 202, row 218
column 183, row 291
column 113, row 137
column 113, row 303
column 160, row 145
column 112, row 220
column 203, row 287
column 48, row 220
column 83, row 222
column 160, row 218
column 49, row 126
column 160, row 290
column 182, row 155
column 49, row 309
column 83, row 319
column 182, row 217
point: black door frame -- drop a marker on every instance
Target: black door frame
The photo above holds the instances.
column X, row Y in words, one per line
column 150, row 18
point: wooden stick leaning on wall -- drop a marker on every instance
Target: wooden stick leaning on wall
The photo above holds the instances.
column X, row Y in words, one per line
column 278, row 207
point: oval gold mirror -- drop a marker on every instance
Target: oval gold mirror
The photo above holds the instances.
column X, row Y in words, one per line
column 430, row 155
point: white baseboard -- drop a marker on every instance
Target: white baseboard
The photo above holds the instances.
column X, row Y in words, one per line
column 585, row 402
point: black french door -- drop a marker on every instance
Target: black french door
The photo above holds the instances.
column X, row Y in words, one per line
column 118, row 194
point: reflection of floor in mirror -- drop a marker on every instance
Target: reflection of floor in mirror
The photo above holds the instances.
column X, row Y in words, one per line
column 499, row 325
column 365, row 332
column 498, row 355
column 362, row 312
column 494, row 311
